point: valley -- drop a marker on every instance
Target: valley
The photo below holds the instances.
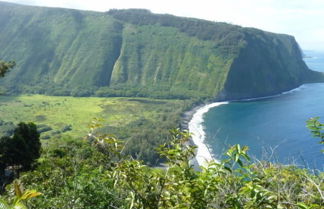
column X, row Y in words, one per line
column 142, row 122
column 95, row 107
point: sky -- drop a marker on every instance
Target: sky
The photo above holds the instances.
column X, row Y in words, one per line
column 303, row 19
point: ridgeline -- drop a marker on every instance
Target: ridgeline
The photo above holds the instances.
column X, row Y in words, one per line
column 137, row 53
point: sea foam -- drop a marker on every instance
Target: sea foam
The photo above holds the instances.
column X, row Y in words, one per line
column 196, row 127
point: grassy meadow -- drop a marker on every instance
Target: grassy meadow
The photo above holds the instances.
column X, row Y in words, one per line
column 72, row 115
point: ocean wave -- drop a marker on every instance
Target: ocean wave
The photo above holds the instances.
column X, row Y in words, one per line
column 196, row 127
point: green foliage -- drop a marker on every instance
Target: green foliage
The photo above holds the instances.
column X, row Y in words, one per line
column 73, row 174
column 22, row 149
column 5, row 67
column 271, row 70
column 18, row 152
column 96, row 173
column 141, row 122
column 21, row 198
column 202, row 29
column 316, row 128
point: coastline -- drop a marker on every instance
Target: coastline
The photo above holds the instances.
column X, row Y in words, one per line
column 193, row 122
column 195, row 126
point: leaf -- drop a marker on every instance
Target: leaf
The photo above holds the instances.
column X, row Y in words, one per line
column 236, row 157
column 18, row 189
column 132, row 200
column 30, row 194
column 240, row 162
column 227, row 168
column 238, row 147
column 302, row 206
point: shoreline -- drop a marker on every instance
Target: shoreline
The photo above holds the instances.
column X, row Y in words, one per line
column 195, row 126
column 193, row 122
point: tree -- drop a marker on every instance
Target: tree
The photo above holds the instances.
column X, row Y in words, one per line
column 22, row 149
column 3, row 150
column 18, row 152
column 5, row 67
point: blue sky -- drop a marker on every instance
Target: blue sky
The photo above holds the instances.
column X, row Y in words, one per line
column 303, row 19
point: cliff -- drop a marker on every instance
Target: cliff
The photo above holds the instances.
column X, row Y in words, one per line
column 138, row 53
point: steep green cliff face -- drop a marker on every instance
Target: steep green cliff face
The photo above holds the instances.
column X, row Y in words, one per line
column 137, row 53
column 269, row 64
column 67, row 48
column 184, row 65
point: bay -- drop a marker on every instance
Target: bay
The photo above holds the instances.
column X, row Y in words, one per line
column 273, row 128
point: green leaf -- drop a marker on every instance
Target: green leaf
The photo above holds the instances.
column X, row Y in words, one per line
column 30, row 194
column 227, row 168
column 240, row 162
column 302, row 206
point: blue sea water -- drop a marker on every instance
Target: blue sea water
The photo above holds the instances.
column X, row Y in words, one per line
column 273, row 128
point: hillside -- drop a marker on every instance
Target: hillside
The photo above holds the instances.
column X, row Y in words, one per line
column 137, row 53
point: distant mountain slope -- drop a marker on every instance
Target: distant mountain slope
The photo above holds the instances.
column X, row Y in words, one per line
column 137, row 53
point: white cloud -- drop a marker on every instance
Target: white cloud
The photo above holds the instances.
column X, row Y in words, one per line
column 301, row 18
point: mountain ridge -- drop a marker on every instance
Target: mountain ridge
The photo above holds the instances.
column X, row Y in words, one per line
column 137, row 53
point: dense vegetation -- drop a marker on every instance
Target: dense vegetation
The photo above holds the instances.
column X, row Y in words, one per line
column 137, row 53
column 142, row 122
column 19, row 152
column 317, row 129
column 5, row 67
column 96, row 173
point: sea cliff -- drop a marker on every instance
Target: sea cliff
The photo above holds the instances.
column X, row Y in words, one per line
column 137, row 53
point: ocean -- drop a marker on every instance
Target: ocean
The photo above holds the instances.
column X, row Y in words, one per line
column 274, row 129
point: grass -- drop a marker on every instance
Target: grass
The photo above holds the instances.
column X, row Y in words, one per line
column 60, row 112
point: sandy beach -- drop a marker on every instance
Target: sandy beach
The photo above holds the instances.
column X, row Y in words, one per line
column 196, row 127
